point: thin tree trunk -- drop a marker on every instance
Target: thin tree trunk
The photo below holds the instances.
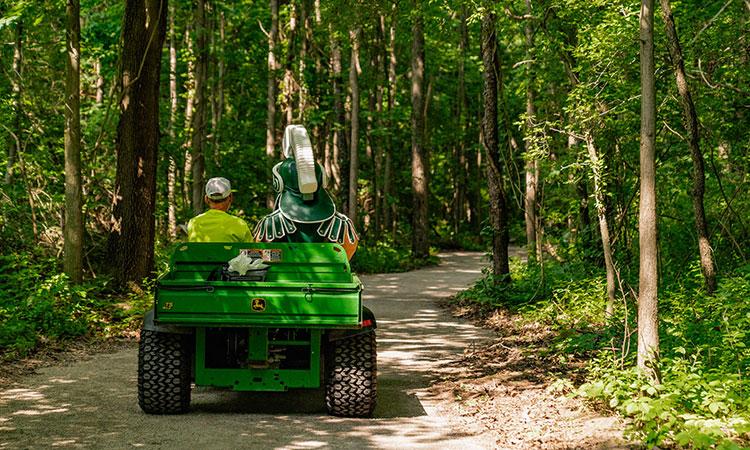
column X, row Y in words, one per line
column 354, row 72
column 131, row 243
column 199, row 115
column 288, row 69
column 648, row 319
column 498, row 212
column 217, row 83
column 532, row 165
column 172, row 164
column 73, row 230
column 273, row 39
column 338, row 113
column 420, row 229
column 14, row 148
column 690, row 118
column 305, row 20
column 389, row 212
column 99, row 81
column 601, row 212
column 459, row 196
column 187, row 190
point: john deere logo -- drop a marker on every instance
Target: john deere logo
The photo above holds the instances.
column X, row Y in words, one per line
column 259, row 304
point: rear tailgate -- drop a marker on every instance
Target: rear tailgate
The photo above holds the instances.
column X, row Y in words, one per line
column 307, row 285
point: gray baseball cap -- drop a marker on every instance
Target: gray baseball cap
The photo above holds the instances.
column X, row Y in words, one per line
column 218, row 188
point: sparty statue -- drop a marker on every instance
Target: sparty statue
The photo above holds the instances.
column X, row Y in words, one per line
column 303, row 211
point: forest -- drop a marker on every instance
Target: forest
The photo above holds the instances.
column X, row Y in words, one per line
column 607, row 139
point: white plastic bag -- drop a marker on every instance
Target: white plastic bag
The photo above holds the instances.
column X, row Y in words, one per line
column 244, row 263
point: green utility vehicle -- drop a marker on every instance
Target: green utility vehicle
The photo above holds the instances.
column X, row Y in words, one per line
column 299, row 323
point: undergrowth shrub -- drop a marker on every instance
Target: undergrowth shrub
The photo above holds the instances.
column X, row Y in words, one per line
column 39, row 306
column 703, row 400
column 385, row 257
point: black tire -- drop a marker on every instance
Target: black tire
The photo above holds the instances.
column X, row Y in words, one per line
column 352, row 375
column 163, row 373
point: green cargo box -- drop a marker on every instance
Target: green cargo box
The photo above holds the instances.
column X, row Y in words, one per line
column 307, row 285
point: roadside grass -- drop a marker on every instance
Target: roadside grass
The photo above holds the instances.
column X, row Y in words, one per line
column 703, row 400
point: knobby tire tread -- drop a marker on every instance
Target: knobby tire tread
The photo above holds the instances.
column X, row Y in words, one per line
column 351, row 379
column 164, row 374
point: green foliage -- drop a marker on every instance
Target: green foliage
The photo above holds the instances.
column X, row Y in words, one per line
column 703, row 400
column 386, row 257
column 40, row 307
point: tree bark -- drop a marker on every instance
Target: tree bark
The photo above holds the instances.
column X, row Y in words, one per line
column 532, row 164
column 601, row 212
column 14, row 148
column 197, row 154
column 187, row 188
column 273, row 40
column 338, row 112
column 99, row 81
column 389, row 212
column 648, row 319
column 131, row 242
column 460, row 167
column 420, row 189
column 172, row 163
column 690, row 118
column 217, row 85
column 498, row 212
column 73, row 230
column 288, row 69
column 354, row 72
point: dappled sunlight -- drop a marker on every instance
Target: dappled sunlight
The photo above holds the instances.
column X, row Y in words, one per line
column 93, row 403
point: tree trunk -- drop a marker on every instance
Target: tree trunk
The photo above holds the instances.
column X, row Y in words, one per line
column 498, row 212
column 354, row 72
column 187, row 188
column 131, row 243
column 273, row 40
column 338, row 113
column 648, row 319
column 601, row 213
column 420, row 246
column 389, row 212
column 459, row 149
column 199, row 115
column 73, row 247
column 217, row 86
column 288, row 69
column 172, row 163
column 99, row 81
column 14, row 148
column 532, row 165
column 690, row 118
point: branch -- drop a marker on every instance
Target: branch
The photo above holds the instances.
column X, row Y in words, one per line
column 511, row 15
column 260, row 24
column 682, row 138
column 711, row 22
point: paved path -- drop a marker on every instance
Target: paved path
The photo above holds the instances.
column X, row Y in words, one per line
column 93, row 403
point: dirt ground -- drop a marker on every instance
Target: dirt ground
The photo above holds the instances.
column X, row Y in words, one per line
column 443, row 383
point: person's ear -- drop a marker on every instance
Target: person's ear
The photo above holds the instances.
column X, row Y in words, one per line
column 205, row 200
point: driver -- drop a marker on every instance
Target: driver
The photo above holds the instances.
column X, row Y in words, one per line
column 216, row 225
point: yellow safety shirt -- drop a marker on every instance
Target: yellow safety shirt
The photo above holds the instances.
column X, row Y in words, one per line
column 217, row 226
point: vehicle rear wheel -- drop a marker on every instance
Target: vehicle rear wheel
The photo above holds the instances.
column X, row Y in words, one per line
column 351, row 379
column 163, row 373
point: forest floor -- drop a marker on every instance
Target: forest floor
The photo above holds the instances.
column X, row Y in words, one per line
column 443, row 383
